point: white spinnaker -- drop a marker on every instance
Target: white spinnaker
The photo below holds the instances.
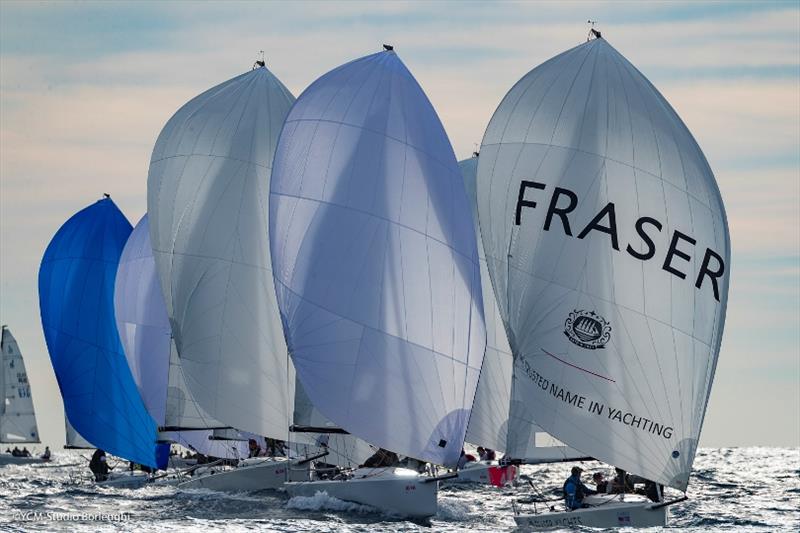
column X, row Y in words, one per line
column 17, row 419
column 73, row 438
column 375, row 263
column 144, row 330
column 207, row 197
column 590, row 124
column 499, row 420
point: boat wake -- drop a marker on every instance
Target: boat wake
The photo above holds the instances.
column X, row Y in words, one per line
column 321, row 501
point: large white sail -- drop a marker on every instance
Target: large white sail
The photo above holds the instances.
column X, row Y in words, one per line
column 207, row 202
column 500, row 419
column 17, row 419
column 608, row 248
column 375, row 262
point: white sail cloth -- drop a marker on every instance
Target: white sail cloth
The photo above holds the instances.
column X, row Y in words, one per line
column 142, row 320
column 343, row 450
column 73, row 439
column 608, row 248
column 207, row 201
column 17, row 418
column 500, row 420
column 375, row 263
column 144, row 330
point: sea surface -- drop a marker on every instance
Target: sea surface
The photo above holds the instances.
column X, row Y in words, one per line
column 732, row 489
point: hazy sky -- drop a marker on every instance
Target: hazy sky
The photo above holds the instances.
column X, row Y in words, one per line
column 86, row 87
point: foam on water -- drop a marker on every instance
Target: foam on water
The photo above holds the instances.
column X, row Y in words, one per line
column 321, row 501
column 732, row 489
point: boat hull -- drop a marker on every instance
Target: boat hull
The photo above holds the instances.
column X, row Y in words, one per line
column 251, row 475
column 127, row 480
column 615, row 514
column 486, row 473
column 8, row 459
column 394, row 490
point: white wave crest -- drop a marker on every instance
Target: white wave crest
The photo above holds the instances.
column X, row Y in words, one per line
column 321, row 501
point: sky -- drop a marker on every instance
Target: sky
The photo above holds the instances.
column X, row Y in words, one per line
column 85, row 88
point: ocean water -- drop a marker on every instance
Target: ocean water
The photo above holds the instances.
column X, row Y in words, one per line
column 733, row 489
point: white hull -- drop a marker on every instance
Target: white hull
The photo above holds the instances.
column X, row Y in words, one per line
column 616, row 513
column 127, row 480
column 398, row 491
column 487, row 473
column 259, row 473
column 8, row 459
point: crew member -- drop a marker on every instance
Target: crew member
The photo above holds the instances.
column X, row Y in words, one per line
column 99, row 465
column 253, row 448
column 575, row 490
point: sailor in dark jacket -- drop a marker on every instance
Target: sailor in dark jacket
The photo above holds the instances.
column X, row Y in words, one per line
column 575, row 490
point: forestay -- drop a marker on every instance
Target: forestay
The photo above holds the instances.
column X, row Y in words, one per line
column 207, row 202
column 17, row 418
column 608, row 248
column 76, row 300
column 501, row 420
column 375, row 263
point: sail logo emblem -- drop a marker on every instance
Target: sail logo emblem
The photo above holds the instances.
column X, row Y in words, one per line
column 587, row 329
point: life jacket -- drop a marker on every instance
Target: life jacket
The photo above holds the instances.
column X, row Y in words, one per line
column 573, row 493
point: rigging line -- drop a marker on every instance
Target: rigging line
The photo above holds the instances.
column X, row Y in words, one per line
column 577, row 367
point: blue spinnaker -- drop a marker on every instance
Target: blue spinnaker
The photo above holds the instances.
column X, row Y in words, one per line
column 76, row 301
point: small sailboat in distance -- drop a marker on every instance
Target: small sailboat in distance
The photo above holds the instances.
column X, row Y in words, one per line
column 608, row 248
column 17, row 418
column 376, row 273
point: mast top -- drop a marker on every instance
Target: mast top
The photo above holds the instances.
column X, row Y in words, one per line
column 593, row 33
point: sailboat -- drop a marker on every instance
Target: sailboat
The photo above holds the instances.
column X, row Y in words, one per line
column 17, row 418
column 500, row 419
column 377, row 278
column 76, row 291
column 608, row 248
column 207, row 207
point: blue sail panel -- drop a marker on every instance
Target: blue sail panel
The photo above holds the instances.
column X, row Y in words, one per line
column 76, row 301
